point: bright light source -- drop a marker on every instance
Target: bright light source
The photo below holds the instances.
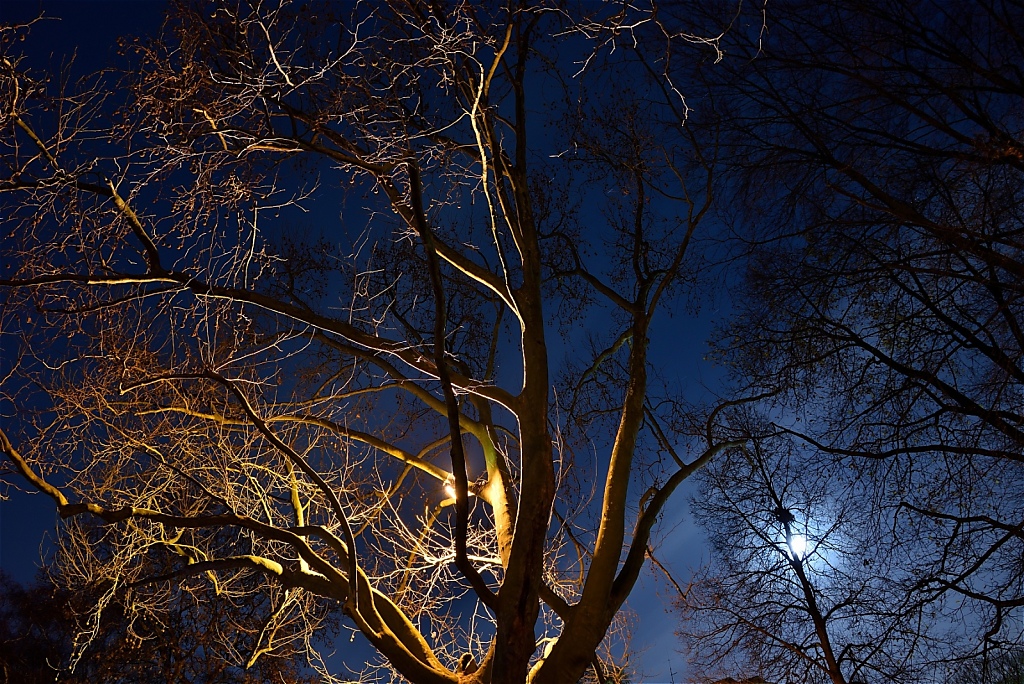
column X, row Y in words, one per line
column 449, row 489
column 798, row 546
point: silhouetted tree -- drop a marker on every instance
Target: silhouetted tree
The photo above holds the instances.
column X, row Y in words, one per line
column 48, row 634
column 877, row 157
column 800, row 587
column 1006, row 668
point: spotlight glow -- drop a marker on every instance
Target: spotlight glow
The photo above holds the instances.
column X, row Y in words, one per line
column 798, row 546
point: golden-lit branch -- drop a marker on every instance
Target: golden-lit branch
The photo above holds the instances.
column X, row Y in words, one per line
column 220, row 392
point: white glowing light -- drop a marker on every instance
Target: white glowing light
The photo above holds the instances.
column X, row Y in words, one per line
column 798, row 546
column 450, row 491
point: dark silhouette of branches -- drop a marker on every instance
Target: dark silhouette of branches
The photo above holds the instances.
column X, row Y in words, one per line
column 877, row 179
column 53, row 634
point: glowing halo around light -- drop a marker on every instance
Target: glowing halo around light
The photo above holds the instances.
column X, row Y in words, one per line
column 798, row 546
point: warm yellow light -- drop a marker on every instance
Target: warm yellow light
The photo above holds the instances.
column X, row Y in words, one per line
column 449, row 489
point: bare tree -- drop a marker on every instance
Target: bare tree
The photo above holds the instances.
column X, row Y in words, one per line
column 877, row 150
column 48, row 634
column 359, row 411
column 1006, row 668
column 802, row 586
